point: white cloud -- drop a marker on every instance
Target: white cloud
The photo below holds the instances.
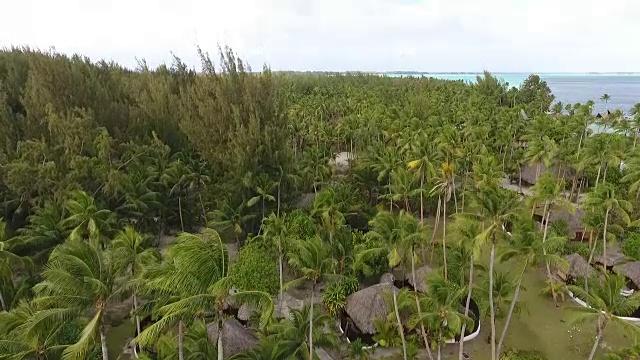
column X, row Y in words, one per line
column 432, row 35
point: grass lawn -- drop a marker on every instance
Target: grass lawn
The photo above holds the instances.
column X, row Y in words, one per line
column 117, row 337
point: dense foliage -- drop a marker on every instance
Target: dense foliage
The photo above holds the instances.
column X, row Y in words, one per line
column 181, row 196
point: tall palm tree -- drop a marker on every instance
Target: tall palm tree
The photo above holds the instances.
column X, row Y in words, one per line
column 312, row 259
column 79, row 277
column 549, row 191
column 635, row 112
column 131, row 251
column 605, row 199
column 445, row 188
column 466, row 232
column 442, row 304
column 293, row 333
column 632, row 174
column 329, row 207
column 200, row 273
column 605, row 305
column 424, row 150
column 230, row 215
column 8, row 263
column 87, row 220
column 262, row 185
column 43, row 232
column 496, row 207
column 528, row 249
column 275, row 231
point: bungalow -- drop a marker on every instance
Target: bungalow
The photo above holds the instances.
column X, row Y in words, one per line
column 631, row 271
column 572, row 219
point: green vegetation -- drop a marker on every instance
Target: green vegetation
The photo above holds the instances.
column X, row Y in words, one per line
column 143, row 208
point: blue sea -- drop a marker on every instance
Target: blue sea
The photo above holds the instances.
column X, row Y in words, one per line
column 624, row 89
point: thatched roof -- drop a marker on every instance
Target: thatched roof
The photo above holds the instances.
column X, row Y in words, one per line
column 614, row 257
column 235, row 337
column 288, row 303
column 421, row 277
column 578, row 266
column 573, row 220
column 368, row 304
column 631, row 270
column 529, row 172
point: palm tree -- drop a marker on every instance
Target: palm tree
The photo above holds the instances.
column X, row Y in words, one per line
column 356, row 350
column 632, row 174
column 466, row 232
column 445, row 188
column 230, row 216
column 7, row 262
column 496, row 208
column 312, row 259
column 604, row 198
column 442, row 309
column 262, row 185
column 292, row 333
column 329, row 207
column 284, row 177
column 423, row 165
column 528, row 249
column 131, row 251
column 87, row 220
column 199, row 272
column 43, row 232
column 275, row 231
column 548, row 190
column 79, row 277
column 605, row 97
column 24, row 337
column 605, row 305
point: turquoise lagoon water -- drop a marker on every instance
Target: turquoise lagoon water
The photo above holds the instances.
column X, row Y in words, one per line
column 570, row 88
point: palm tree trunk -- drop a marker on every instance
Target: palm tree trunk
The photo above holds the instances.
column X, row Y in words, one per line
column 512, row 306
column 390, row 197
column 400, row 329
column 466, row 309
column 545, row 217
column 591, row 253
column 604, row 238
column 103, row 343
column 435, row 229
column 313, row 289
column 135, row 311
column 635, row 140
column 491, row 304
column 278, row 211
column 597, row 342
column 2, row 303
column 220, row 332
column 444, row 230
column 418, row 307
column 281, row 278
column 180, row 211
column 262, row 208
column 422, row 212
column 181, row 341
column 440, row 346
column 598, row 177
column 204, row 212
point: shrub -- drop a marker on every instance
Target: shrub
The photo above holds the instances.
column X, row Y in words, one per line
column 335, row 295
column 301, row 225
column 256, row 268
column 631, row 246
column 579, row 248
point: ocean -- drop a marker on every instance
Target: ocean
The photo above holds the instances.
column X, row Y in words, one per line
column 624, row 89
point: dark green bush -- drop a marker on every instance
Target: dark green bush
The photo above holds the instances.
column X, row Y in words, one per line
column 335, row 295
column 631, row 246
column 255, row 268
column 580, row 248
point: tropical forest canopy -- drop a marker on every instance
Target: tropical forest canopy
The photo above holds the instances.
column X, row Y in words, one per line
column 100, row 165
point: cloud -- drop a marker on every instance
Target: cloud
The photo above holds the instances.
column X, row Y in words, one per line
column 430, row 35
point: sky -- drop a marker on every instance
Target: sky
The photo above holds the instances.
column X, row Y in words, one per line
column 340, row 35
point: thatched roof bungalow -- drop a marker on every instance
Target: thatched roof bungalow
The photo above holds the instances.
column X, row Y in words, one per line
column 573, row 219
column 579, row 267
column 235, row 337
column 614, row 258
column 631, row 271
column 421, row 278
column 368, row 304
